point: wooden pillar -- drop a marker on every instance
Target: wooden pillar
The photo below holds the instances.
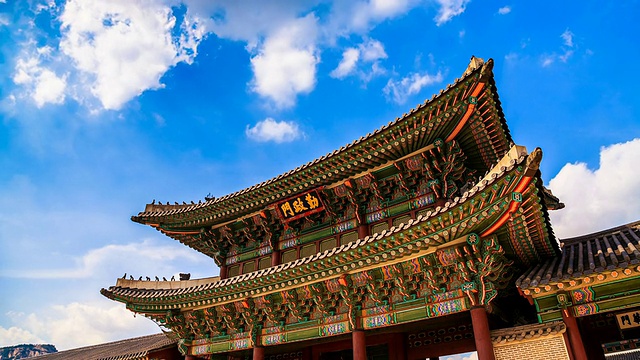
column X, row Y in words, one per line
column 190, row 357
column 359, row 345
column 565, row 336
column 258, row 353
column 275, row 257
column 577, row 346
column 363, row 230
column 223, row 272
column 397, row 347
column 481, row 333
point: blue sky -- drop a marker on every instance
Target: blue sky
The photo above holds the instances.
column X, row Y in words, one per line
column 106, row 106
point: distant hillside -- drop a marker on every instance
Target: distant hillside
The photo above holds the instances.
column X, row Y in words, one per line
column 25, row 351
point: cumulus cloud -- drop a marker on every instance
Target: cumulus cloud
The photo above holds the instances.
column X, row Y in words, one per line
column 601, row 198
column 285, row 65
column 272, row 130
column 42, row 84
column 125, row 47
column 15, row 335
column 504, row 10
column 400, row 90
column 147, row 256
column 449, row 9
column 75, row 325
column 369, row 52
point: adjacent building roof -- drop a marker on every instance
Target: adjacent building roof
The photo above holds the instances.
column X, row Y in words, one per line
column 616, row 248
column 129, row 349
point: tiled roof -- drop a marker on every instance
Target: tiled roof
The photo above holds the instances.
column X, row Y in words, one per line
column 527, row 332
column 409, row 133
column 128, row 349
column 350, row 255
column 610, row 249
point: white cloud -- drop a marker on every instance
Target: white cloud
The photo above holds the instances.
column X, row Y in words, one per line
column 74, row 325
column 125, row 47
column 567, row 48
column 400, row 90
column 272, row 130
column 285, row 65
column 547, row 60
column 148, row 257
column 369, row 52
column 15, row 336
column 248, row 20
column 567, row 37
column 504, row 10
column 41, row 84
column 348, row 63
column 360, row 16
column 4, row 20
column 372, row 50
column 449, row 9
column 601, row 198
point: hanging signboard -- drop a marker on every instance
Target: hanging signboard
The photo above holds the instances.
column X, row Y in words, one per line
column 628, row 320
column 300, row 206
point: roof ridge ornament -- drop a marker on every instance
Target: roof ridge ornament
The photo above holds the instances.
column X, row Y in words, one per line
column 474, row 63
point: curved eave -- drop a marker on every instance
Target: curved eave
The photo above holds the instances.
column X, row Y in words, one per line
column 586, row 259
column 483, row 145
column 474, row 212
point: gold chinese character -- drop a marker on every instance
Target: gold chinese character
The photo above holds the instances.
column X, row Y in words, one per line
column 287, row 210
column 298, row 206
column 312, row 201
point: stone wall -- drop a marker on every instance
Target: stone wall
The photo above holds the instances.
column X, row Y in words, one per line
column 537, row 341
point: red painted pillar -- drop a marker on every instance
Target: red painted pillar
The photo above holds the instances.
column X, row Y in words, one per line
column 275, row 257
column 258, row 353
column 397, row 347
column 223, row 272
column 577, row 346
column 363, row 231
column 359, row 345
column 190, row 357
column 481, row 333
column 567, row 342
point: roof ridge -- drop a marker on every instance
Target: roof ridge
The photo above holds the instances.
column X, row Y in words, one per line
column 580, row 238
column 467, row 74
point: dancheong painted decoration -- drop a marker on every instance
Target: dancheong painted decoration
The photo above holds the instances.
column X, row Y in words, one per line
column 410, row 242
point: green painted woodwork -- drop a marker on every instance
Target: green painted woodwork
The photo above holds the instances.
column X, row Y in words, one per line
column 550, row 316
column 302, row 325
column 218, row 347
column 411, row 315
column 312, row 333
column 399, row 209
column 409, row 304
column 328, row 231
